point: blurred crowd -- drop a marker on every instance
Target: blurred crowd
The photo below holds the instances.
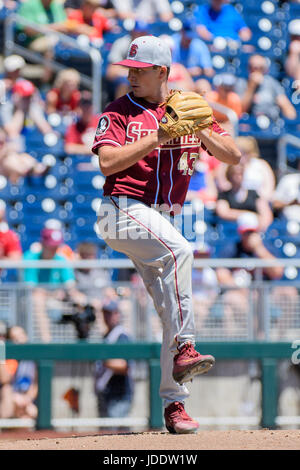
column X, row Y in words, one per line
column 113, row 378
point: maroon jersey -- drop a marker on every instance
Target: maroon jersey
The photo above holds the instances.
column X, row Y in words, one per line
column 163, row 176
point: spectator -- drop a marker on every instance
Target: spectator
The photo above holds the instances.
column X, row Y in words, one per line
column 150, row 11
column 292, row 63
column 7, row 370
column 105, row 6
column 191, row 52
column 13, row 66
column 22, row 102
column 238, row 200
column 24, row 381
column 225, row 96
column 250, row 245
column 286, row 199
column 116, row 74
column 64, row 97
column 202, row 184
column 79, row 135
column 15, row 165
column 217, row 18
column 48, row 13
column 10, row 246
column 3, row 333
column 88, row 20
column 10, row 4
column 63, row 249
column 258, row 174
column 60, row 280
column 92, row 282
column 113, row 377
column 263, row 94
column 205, row 289
column 180, row 78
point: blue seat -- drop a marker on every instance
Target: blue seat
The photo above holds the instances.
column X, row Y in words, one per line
column 9, row 191
column 34, row 139
column 73, row 57
column 250, row 124
column 292, row 126
column 61, row 171
column 85, row 178
column 38, row 211
column 14, row 216
column 276, row 230
column 85, row 221
column 226, row 228
column 86, row 205
column 60, row 191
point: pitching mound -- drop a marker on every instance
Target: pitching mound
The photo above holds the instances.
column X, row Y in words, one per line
column 204, row 440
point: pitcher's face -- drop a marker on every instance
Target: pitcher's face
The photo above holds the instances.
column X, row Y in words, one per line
column 145, row 82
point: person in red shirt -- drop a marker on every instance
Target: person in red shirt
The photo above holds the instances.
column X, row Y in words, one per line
column 202, row 185
column 147, row 178
column 224, row 95
column 88, row 20
column 79, row 135
column 10, row 246
column 65, row 95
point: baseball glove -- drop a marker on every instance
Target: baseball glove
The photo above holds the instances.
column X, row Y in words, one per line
column 186, row 112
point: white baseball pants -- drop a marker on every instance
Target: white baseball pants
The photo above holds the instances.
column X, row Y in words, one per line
column 164, row 260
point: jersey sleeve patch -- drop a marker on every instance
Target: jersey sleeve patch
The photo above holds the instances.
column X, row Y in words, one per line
column 103, row 125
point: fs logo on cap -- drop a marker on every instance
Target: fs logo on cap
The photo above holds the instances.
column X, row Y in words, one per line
column 133, row 50
column 103, row 125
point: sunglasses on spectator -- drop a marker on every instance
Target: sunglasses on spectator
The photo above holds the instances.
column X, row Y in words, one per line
column 257, row 67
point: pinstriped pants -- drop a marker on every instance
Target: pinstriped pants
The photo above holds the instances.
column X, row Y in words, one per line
column 164, row 260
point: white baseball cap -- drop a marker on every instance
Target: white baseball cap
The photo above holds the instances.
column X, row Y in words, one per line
column 13, row 63
column 53, row 224
column 146, row 51
column 247, row 222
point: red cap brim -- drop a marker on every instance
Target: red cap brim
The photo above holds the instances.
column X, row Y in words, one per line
column 242, row 230
column 133, row 63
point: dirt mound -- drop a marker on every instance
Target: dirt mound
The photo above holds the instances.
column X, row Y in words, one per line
column 264, row 439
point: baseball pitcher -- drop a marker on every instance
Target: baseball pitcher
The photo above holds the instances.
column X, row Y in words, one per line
column 148, row 142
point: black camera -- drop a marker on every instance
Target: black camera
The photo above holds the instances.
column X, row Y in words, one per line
column 81, row 319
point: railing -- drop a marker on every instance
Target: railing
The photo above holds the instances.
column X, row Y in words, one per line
column 268, row 310
column 124, row 263
column 283, row 142
column 10, row 47
column 231, row 115
column 267, row 353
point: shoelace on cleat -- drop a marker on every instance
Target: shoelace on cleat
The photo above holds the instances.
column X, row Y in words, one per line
column 189, row 349
column 179, row 413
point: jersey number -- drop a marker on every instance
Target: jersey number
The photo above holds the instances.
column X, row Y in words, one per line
column 185, row 159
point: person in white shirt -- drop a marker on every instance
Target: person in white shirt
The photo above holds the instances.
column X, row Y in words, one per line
column 286, row 198
column 258, row 174
column 146, row 10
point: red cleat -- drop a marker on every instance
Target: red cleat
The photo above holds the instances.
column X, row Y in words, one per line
column 178, row 421
column 188, row 363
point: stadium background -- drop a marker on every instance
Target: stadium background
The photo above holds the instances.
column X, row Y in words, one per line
column 70, row 194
